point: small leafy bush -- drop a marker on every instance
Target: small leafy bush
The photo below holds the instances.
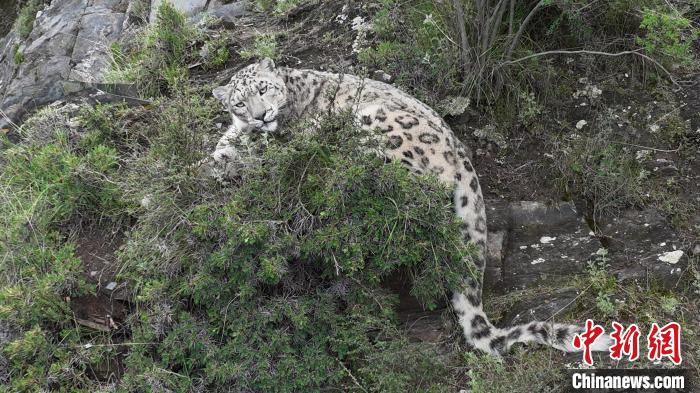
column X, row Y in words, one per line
column 24, row 24
column 265, row 45
column 157, row 60
column 17, row 55
column 668, row 36
column 215, row 52
column 606, row 174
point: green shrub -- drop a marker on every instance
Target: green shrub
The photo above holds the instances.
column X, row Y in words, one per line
column 158, row 59
column 668, row 36
column 275, row 284
column 17, row 55
column 272, row 284
column 48, row 185
column 157, row 62
column 25, row 19
column 265, row 45
column 215, row 52
column 605, row 174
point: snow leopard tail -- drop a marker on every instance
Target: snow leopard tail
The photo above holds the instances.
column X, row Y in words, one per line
column 481, row 334
column 478, row 330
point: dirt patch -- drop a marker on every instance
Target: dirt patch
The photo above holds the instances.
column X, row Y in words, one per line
column 96, row 248
column 106, row 310
column 102, row 314
column 99, row 312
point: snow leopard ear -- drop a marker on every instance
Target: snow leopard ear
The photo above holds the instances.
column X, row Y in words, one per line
column 266, row 64
column 221, row 93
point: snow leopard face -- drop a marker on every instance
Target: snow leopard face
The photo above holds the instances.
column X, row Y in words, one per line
column 256, row 97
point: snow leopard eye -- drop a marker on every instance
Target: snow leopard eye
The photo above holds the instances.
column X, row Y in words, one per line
column 240, row 104
column 263, row 90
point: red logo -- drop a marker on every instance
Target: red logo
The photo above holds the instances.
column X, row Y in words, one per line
column 586, row 339
column 665, row 342
column 662, row 342
column 626, row 343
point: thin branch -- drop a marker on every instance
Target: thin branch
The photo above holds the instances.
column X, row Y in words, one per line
column 510, row 17
column 647, row 147
column 462, row 28
column 354, row 380
column 495, row 22
column 523, row 25
column 593, row 52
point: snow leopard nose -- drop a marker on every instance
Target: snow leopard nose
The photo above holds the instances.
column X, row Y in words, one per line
column 261, row 115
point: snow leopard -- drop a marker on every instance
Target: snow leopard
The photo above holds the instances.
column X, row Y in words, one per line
column 262, row 97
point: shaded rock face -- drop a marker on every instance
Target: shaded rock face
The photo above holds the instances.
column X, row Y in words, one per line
column 542, row 308
column 532, row 243
column 642, row 244
column 69, row 42
column 69, row 48
column 543, row 242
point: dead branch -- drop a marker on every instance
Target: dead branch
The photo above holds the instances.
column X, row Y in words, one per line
column 462, row 28
column 523, row 25
column 511, row 15
column 593, row 52
column 493, row 25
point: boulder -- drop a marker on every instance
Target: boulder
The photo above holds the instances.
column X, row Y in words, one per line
column 230, row 13
column 70, row 41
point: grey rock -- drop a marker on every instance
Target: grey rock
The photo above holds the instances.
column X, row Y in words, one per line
column 228, row 14
column 542, row 308
column 664, row 167
column 70, row 41
column 531, row 243
column 98, row 26
column 187, row 7
column 382, row 76
column 642, row 245
column 545, row 243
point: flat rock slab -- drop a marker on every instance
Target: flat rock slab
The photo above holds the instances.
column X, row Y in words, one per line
column 533, row 243
column 642, row 245
column 545, row 242
column 547, row 306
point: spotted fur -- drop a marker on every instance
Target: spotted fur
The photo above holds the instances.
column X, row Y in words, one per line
column 262, row 96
